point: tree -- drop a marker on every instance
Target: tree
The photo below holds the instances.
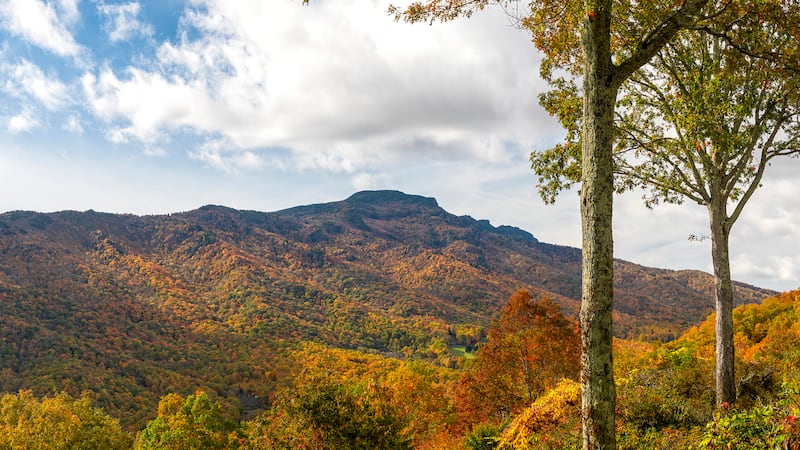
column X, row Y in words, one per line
column 57, row 422
column 195, row 422
column 320, row 411
column 421, row 394
column 604, row 57
column 529, row 350
column 701, row 122
column 725, row 117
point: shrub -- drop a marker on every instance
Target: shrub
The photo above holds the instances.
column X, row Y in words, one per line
column 551, row 422
column 321, row 412
column 484, row 437
column 765, row 426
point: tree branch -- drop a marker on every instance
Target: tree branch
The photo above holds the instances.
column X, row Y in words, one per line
column 684, row 17
column 756, row 182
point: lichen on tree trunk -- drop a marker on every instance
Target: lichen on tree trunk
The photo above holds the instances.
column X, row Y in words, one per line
column 723, row 290
column 598, row 392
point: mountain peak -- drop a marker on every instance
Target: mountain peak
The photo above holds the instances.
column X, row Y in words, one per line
column 374, row 204
column 389, row 196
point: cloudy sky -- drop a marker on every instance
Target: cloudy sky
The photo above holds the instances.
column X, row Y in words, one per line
column 167, row 105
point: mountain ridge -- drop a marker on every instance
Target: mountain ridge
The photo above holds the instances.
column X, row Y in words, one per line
column 365, row 211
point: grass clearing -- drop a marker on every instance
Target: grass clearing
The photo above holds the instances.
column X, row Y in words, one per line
column 461, row 351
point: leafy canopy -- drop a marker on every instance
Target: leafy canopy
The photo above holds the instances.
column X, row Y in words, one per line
column 57, row 422
column 702, row 119
column 195, row 422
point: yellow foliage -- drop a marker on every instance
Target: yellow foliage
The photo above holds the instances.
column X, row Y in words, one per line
column 629, row 356
column 342, row 364
column 763, row 331
column 419, row 392
column 169, row 405
column 555, row 407
column 57, row 422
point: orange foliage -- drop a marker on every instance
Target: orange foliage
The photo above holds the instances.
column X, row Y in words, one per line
column 529, row 350
column 766, row 332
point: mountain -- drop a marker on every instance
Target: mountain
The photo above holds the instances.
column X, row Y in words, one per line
column 126, row 308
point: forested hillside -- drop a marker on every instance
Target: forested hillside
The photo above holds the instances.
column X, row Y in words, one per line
column 518, row 391
column 127, row 309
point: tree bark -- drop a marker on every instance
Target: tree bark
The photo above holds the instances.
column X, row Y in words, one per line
column 598, row 391
column 723, row 289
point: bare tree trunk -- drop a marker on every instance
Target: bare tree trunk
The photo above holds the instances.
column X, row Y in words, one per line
column 598, row 392
column 723, row 290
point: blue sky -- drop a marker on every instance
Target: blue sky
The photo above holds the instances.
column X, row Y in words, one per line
column 161, row 106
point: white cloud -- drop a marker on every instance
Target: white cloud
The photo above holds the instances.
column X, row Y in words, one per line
column 341, row 84
column 773, row 268
column 781, row 222
column 24, row 121
column 368, row 181
column 73, row 124
column 148, row 102
column 27, row 78
column 116, row 136
column 155, row 151
column 41, row 24
column 219, row 155
column 764, row 239
column 68, row 11
column 773, row 211
column 123, row 21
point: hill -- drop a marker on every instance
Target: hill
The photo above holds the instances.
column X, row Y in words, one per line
column 129, row 308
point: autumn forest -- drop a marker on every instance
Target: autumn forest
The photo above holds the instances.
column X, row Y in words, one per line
column 380, row 321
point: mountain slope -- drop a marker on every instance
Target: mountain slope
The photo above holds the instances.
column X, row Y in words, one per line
column 130, row 308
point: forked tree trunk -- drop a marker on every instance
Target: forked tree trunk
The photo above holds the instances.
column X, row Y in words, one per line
column 598, row 392
column 723, row 289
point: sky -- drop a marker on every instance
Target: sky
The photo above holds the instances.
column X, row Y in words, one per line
column 163, row 106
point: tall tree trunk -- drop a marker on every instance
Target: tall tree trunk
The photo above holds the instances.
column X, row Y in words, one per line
column 598, row 392
column 723, row 290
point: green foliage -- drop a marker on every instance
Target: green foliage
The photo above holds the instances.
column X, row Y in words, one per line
column 759, row 427
column 673, row 389
column 195, row 422
column 461, row 351
column 666, row 398
column 773, row 425
column 701, row 120
column 632, row 438
column 57, row 422
column 484, row 436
